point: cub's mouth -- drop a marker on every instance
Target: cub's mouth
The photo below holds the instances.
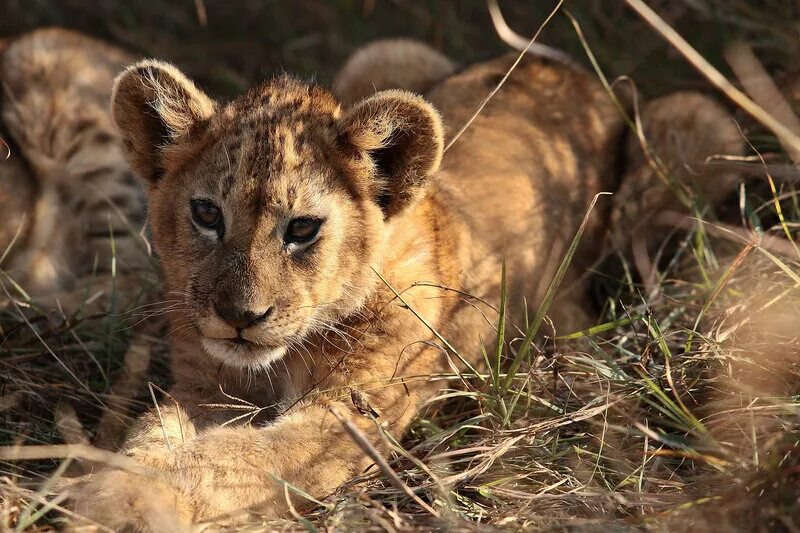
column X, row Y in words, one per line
column 240, row 352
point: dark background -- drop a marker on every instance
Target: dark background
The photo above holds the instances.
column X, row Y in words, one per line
column 229, row 44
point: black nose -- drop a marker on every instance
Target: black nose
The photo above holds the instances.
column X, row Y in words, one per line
column 240, row 317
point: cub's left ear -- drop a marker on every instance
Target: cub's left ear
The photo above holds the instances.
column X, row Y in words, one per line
column 399, row 136
column 156, row 108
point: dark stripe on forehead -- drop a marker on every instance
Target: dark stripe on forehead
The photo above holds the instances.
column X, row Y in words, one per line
column 227, row 184
column 226, row 163
column 274, row 129
column 286, row 95
column 256, row 157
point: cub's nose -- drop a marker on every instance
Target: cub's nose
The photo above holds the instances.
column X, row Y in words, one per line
column 240, row 317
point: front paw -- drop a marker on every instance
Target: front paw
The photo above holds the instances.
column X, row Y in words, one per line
column 158, row 459
column 124, row 501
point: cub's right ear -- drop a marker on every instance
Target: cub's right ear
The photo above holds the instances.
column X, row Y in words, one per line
column 156, row 107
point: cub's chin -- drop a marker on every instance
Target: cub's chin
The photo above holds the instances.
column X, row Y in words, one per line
column 242, row 354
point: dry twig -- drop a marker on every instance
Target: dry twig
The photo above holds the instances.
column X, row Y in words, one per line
column 713, row 75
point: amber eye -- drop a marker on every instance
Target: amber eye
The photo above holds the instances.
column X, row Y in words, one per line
column 206, row 215
column 302, row 230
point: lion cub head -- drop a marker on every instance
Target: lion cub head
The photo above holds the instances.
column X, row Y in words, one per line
column 270, row 212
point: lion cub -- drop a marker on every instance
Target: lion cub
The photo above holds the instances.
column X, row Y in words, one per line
column 321, row 254
column 71, row 206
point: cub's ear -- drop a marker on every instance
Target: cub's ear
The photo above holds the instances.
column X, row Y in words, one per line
column 399, row 137
column 156, row 106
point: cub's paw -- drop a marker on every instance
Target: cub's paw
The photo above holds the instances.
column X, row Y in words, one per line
column 158, row 459
column 684, row 131
column 124, row 501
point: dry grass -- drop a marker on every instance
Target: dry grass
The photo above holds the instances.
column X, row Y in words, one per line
column 680, row 410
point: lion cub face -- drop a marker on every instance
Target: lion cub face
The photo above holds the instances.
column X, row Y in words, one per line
column 270, row 213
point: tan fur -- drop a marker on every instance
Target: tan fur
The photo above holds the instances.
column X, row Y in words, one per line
column 17, row 194
column 390, row 64
column 681, row 131
column 67, row 177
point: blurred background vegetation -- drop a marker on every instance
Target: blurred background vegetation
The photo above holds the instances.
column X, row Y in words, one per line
column 229, row 44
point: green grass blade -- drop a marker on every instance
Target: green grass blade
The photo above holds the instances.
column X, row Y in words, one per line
column 533, row 328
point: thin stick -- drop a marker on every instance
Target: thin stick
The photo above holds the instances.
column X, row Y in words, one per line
column 759, row 85
column 150, row 386
column 788, row 173
column 713, row 75
column 202, row 14
column 508, row 73
column 518, row 42
column 63, row 451
column 363, row 442
column 770, row 243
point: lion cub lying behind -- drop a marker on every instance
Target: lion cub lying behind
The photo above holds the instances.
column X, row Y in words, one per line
column 320, row 251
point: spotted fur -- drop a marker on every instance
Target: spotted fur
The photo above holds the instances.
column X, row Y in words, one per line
column 66, row 183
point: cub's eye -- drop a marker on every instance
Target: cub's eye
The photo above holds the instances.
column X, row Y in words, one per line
column 302, row 230
column 206, row 215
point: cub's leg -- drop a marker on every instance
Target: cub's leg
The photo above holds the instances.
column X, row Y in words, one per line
column 669, row 168
column 227, row 473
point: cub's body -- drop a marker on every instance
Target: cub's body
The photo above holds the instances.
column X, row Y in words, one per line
column 523, row 175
